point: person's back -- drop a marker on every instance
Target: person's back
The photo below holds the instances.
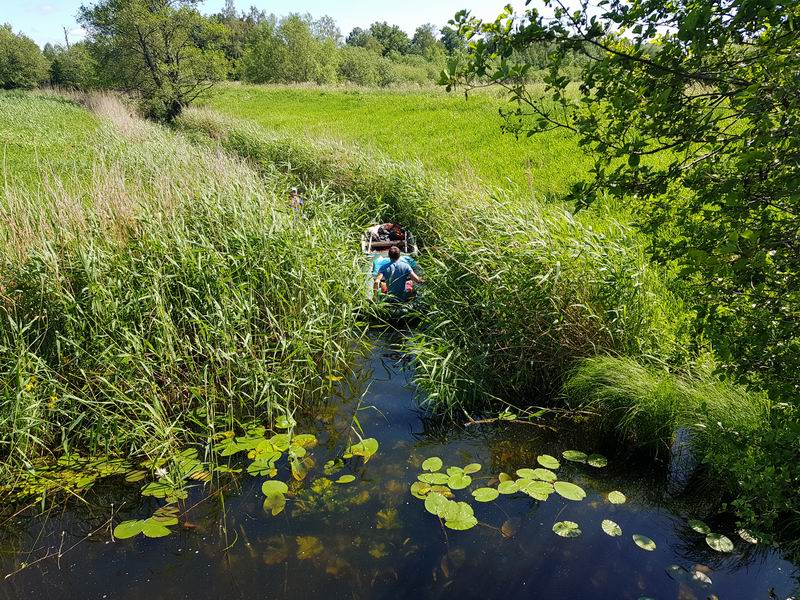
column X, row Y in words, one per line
column 396, row 274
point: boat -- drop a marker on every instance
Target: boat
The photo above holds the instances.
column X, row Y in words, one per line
column 377, row 252
column 370, row 247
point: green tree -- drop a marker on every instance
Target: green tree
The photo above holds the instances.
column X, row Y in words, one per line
column 425, row 41
column 452, row 40
column 390, row 37
column 22, row 64
column 72, row 67
column 692, row 112
column 164, row 51
column 264, row 56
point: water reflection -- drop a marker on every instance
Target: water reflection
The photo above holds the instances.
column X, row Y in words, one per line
column 372, row 539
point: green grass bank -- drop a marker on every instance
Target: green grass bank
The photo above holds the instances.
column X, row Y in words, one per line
column 446, row 133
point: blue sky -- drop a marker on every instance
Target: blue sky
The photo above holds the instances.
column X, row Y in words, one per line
column 43, row 20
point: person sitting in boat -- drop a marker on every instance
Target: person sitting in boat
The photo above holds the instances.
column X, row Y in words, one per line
column 396, row 234
column 397, row 274
column 380, row 233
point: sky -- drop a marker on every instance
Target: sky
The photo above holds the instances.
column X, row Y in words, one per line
column 44, row 20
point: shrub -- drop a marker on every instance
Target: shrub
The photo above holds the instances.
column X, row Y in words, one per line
column 22, row 64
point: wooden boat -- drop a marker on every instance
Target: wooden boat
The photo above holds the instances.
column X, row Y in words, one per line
column 407, row 246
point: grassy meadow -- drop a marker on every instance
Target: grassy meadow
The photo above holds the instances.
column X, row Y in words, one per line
column 446, row 133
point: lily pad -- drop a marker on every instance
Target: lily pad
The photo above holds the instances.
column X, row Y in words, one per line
column 434, row 463
column 611, row 528
column 365, row 448
column 306, row 440
column 420, row 489
column 128, row 529
column 570, row 491
column 719, row 542
column 699, row 526
column 346, row 479
column 548, row 462
column 644, row 542
column 597, row 460
column 701, row 578
column 539, row 490
column 472, row 468
column 544, row 475
column 262, row 468
column 153, row 529
column 436, row 504
column 505, row 477
column 485, row 494
column 575, row 456
column 567, row 529
column 134, row 476
column 508, row 487
column 274, row 503
column 285, row 422
column 526, row 474
column 747, row 536
column 616, row 497
column 273, row 486
column 434, row 478
column 455, row 471
column 459, row 481
column 459, row 516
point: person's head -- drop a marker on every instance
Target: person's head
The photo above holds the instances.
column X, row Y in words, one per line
column 388, row 226
column 294, row 192
column 394, row 254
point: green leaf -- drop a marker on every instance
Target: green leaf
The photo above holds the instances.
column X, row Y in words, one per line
column 134, row 476
column 633, row 160
column 718, row 542
column 153, row 529
column 485, row 494
column 539, row 490
column 454, row 471
column 548, row 462
column 346, row 479
column 747, row 536
column 459, row 481
column 459, row 516
column 570, row 491
column 544, row 475
column 285, row 422
column 333, row 466
column 128, row 529
column 472, row 468
column 420, row 489
column 616, row 497
column 365, row 448
column 575, row 456
column 434, row 478
column 597, row 461
column 567, row 529
column 434, row 463
column 273, row 486
column 526, row 474
column 274, row 503
column 699, row 526
column 306, row 440
column 644, row 542
column 436, row 504
column 611, row 528
column 508, row 487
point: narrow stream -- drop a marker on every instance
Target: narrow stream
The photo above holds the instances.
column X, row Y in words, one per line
column 373, row 539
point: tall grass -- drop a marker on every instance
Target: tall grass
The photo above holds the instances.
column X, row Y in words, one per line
column 517, row 290
column 173, row 289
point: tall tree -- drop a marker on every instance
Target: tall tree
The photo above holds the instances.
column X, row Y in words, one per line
column 424, row 40
column 22, row 64
column 391, row 37
column 692, row 112
column 164, row 51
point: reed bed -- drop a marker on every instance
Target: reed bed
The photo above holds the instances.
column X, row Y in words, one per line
column 170, row 296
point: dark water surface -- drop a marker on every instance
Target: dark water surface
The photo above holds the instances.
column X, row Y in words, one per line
column 372, row 539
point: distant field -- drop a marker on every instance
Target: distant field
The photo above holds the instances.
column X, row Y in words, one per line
column 41, row 134
column 444, row 131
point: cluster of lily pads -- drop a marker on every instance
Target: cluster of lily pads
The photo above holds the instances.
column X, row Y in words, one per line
column 717, row 541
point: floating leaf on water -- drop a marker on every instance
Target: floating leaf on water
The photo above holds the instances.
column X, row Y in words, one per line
column 459, row 516
column 346, row 479
column 153, row 529
column 308, row 547
column 719, row 542
column 157, row 489
column 455, row 471
column 436, row 504
column 567, row 529
column 434, row 463
column 597, row 460
column 128, row 529
column 570, row 491
column 443, row 490
column 539, row 490
column 472, row 468
column 273, row 486
column 747, row 536
column 297, row 451
column 699, row 526
column 611, row 528
column 548, row 462
column 134, row 476
column 505, row 477
column 420, row 489
column 575, row 456
column 365, row 448
column 280, row 442
column 165, row 520
column 274, row 503
column 262, row 468
column 434, row 478
column 701, row 578
column 544, row 475
column 301, row 467
column 508, row 487
column 616, row 497
column 459, row 481
column 332, row 466
column 306, row 440
column 485, row 494
column 285, row 422
column 526, row 474
column 644, row 542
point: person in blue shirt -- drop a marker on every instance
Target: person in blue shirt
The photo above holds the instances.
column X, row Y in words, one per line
column 396, row 273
